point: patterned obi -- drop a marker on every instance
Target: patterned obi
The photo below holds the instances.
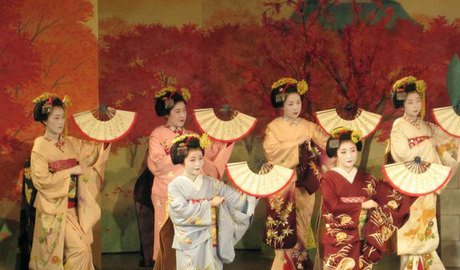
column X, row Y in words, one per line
column 416, row 140
column 362, row 214
column 352, row 199
column 213, row 220
column 64, row 164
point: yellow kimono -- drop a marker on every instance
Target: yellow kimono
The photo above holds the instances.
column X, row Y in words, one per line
column 288, row 226
column 63, row 236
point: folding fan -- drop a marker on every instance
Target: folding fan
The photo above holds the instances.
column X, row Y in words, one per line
column 236, row 127
column 417, row 177
column 100, row 125
column 259, row 184
column 447, row 120
column 365, row 121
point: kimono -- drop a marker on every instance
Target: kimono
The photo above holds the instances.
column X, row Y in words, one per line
column 204, row 236
column 66, row 205
column 343, row 216
column 418, row 238
column 289, row 211
column 160, row 164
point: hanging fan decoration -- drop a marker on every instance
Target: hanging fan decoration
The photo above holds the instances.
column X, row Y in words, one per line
column 259, row 184
column 103, row 125
column 357, row 119
column 448, row 118
column 417, row 177
column 230, row 127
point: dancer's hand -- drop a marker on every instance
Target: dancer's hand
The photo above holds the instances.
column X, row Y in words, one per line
column 216, row 201
column 369, row 204
column 75, row 170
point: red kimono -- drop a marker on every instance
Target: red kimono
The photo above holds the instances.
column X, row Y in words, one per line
column 345, row 245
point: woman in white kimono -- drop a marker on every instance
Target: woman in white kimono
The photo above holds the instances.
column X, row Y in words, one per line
column 410, row 137
column 209, row 217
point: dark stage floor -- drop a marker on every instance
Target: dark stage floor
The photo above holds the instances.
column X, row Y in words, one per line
column 245, row 260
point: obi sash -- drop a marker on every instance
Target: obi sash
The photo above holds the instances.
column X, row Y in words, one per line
column 416, row 140
column 64, row 164
column 213, row 220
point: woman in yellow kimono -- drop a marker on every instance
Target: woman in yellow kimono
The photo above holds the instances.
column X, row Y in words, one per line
column 289, row 211
column 67, row 173
column 410, row 137
column 171, row 104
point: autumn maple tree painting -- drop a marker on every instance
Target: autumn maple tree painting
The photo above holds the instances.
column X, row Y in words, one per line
column 44, row 46
column 352, row 62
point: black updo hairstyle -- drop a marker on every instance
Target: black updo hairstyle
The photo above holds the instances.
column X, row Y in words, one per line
column 334, row 143
column 276, row 96
column 180, row 149
column 398, row 98
column 161, row 102
column 43, row 108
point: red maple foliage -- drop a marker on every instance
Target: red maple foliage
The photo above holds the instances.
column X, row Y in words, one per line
column 45, row 47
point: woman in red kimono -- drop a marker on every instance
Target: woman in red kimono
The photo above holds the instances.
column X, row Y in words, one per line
column 348, row 202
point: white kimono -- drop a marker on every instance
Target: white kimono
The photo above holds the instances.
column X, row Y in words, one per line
column 203, row 238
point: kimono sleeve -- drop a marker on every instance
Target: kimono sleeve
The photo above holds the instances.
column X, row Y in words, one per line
column 400, row 149
column 91, row 154
column 158, row 160
column 50, row 185
column 318, row 136
column 215, row 158
column 184, row 213
column 232, row 197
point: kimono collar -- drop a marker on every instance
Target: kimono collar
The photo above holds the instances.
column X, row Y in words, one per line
column 198, row 181
column 350, row 176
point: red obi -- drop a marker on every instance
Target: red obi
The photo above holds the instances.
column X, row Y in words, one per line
column 63, row 164
column 352, row 199
column 416, row 140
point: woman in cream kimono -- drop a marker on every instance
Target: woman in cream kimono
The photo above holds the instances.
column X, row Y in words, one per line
column 209, row 217
column 67, row 173
column 289, row 211
column 410, row 137
column 172, row 104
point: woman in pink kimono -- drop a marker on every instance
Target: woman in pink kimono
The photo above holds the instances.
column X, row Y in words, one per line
column 289, row 211
column 410, row 137
column 171, row 104
column 67, row 173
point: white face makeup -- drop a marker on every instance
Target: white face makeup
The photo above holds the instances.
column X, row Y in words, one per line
column 347, row 154
column 56, row 121
column 292, row 106
column 193, row 163
column 178, row 115
column 412, row 104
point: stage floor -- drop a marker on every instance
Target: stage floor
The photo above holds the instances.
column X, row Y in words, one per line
column 245, row 260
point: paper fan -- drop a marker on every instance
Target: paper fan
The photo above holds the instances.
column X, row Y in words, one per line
column 236, row 127
column 99, row 126
column 417, row 177
column 447, row 120
column 257, row 184
column 365, row 121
